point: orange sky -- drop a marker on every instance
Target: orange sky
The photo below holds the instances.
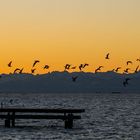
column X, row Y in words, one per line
column 75, row 31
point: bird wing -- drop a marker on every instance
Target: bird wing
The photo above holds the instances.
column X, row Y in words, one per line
column 129, row 62
column 33, row 70
column 36, row 61
column 137, row 68
column 16, row 70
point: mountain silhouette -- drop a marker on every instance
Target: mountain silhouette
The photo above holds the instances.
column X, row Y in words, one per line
column 61, row 82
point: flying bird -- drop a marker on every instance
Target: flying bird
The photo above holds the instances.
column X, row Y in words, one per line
column 80, row 67
column 17, row 69
column 73, row 67
column 117, row 69
column 46, row 67
column 129, row 62
column 35, row 62
column 21, row 70
column 138, row 59
column 136, row 70
column 126, row 82
column 84, row 65
column 10, row 64
column 67, row 66
column 126, row 70
column 107, row 56
column 74, row 78
column 98, row 69
column 33, row 71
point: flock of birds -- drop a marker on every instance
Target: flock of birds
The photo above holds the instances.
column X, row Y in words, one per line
column 18, row 70
column 81, row 67
column 126, row 71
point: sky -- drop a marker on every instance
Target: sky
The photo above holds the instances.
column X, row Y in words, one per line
column 57, row 32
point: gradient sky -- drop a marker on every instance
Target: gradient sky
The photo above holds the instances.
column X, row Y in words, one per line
column 69, row 31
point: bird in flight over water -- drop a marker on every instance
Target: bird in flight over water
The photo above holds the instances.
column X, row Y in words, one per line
column 98, row 69
column 67, row 66
column 126, row 70
column 136, row 70
column 17, row 69
column 33, row 71
column 10, row 64
column 107, row 56
column 74, row 78
column 129, row 62
column 35, row 62
column 84, row 65
column 80, row 67
column 21, row 70
column 126, row 82
column 117, row 69
column 74, row 67
column 46, row 67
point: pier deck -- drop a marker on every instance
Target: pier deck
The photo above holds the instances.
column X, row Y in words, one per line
column 67, row 115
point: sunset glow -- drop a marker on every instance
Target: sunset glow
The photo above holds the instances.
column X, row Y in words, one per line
column 57, row 32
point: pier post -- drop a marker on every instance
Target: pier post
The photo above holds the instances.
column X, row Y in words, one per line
column 7, row 121
column 69, row 121
column 13, row 119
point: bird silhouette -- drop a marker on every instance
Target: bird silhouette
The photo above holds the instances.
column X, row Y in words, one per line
column 10, row 64
column 35, row 62
column 138, row 59
column 127, row 79
column 73, row 67
column 17, row 69
column 98, row 69
column 74, row 78
column 80, row 67
column 129, row 62
column 46, row 67
column 125, row 82
column 107, row 56
column 117, row 69
column 21, row 70
column 67, row 66
column 126, row 70
column 33, row 71
column 136, row 70
column 84, row 65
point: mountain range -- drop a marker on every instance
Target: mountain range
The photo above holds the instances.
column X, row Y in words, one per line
column 62, row 82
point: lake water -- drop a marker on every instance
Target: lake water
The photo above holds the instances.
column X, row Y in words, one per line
column 107, row 117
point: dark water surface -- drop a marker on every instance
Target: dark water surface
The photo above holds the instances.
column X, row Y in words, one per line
column 107, row 117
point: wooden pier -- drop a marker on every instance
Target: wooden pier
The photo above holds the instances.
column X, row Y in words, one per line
column 67, row 115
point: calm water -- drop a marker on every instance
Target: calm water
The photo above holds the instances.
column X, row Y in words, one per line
column 107, row 117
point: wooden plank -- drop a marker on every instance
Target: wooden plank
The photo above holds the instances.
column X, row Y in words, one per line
column 41, row 110
column 62, row 117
